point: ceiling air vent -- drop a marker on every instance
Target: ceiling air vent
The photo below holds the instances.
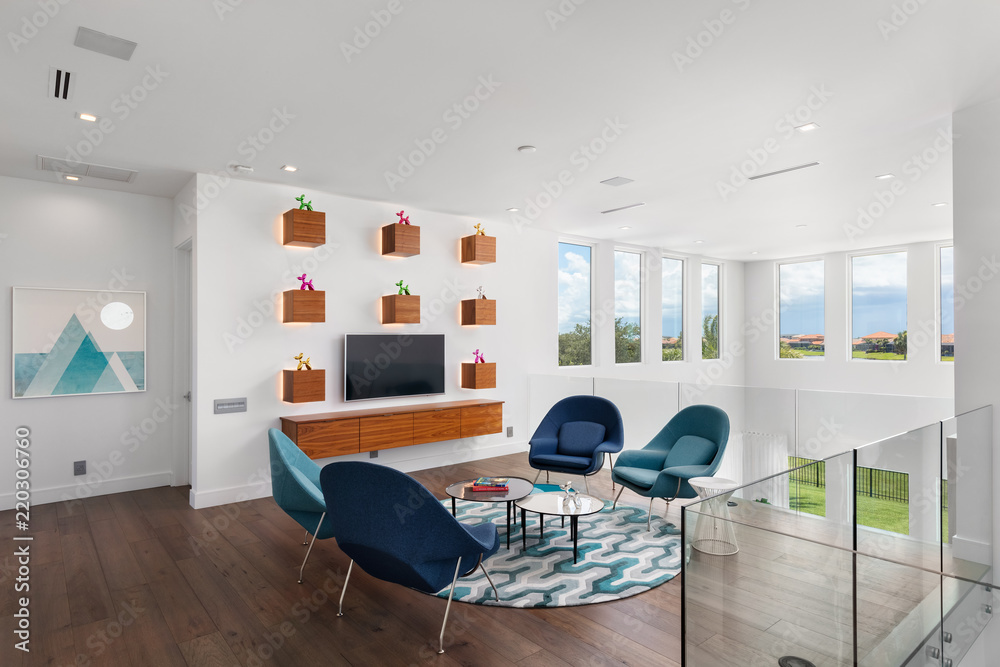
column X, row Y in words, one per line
column 61, row 83
column 784, row 171
column 617, row 181
column 85, row 169
column 109, row 45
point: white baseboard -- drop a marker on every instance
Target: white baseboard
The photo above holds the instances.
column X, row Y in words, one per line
column 972, row 550
column 236, row 494
column 80, row 491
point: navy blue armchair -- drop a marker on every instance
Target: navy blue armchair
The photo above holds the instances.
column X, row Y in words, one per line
column 295, row 487
column 690, row 445
column 575, row 435
column 396, row 530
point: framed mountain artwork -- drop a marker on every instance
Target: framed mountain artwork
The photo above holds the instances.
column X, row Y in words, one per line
column 68, row 342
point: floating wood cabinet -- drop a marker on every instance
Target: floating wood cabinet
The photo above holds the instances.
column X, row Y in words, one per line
column 304, row 228
column 355, row 431
column 401, row 309
column 303, row 386
column 304, row 305
column 401, row 240
column 479, row 249
column 479, row 376
column 479, row 311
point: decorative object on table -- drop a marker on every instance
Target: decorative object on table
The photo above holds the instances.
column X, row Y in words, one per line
column 403, row 220
column 618, row 558
column 479, row 229
column 575, row 435
column 306, row 284
column 490, row 484
column 302, row 362
column 303, row 204
column 692, row 444
column 479, row 291
column 95, row 342
column 478, row 356
column 394, row 547
column 514, row 489
column 403, row 289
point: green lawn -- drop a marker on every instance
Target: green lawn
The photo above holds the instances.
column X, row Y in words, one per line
column 811, row 353
column 858, row 354
column 947, row 358
column 878, row 513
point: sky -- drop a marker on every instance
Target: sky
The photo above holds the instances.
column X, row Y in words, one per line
column 672, row 305
column 878, row 294
column 801, row 302
column 628, row 290
column 947, row 290
column 709, row 291
column 574, row 286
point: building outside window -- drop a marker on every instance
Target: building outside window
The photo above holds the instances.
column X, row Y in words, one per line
column 801, row 321
column 878, row 306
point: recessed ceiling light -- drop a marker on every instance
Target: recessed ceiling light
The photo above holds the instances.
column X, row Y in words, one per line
column 526, row 149
column 241, row 168
column 87, row 116
column 801, row 226
column 754, row 252
column 513, row 210
column 882, row 177
column 697, row 242
column 72, row 178
column 940, row 203
column 288, row 167
column 617, row 180
column 622, row 208
column 625, row 227
column 808, row 127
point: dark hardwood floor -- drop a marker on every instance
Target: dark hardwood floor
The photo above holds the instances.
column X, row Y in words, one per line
column 143, row 579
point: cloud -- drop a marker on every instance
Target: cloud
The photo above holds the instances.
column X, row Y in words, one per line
column 628, row 285
column 574, row 287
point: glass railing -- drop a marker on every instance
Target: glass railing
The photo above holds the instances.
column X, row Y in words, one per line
column 878, row 555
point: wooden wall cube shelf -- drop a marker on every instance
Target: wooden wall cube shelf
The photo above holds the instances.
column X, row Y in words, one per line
column 479, row 249
column 303, row 386
column 401, row 240
column 304, row 228
column 401, row 309
column 304, row 305
column 479, row 376
column 479, row 311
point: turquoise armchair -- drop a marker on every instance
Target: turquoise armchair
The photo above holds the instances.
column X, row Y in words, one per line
column 690, row 445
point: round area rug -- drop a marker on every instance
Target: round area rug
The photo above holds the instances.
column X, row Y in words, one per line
column 617, row 557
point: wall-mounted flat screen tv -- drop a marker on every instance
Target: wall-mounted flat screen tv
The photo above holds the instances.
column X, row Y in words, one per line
column 388, row 365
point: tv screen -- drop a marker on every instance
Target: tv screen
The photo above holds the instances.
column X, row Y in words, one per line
column 387, row 365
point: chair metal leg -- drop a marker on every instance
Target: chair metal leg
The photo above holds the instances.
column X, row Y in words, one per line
column 340, row 609
column 546, row 476
column 615, row 504
column 537, row 476
column 495, row 594
column 586, row 484
column 611, row 461
column 309, row 550
column 649, row 516
column 447, row 608
column 305, row 538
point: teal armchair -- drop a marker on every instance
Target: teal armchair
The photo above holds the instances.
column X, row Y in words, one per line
column 295, row 487
column 690, row 445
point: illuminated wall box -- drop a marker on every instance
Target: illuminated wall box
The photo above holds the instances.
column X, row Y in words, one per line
column 68, row 342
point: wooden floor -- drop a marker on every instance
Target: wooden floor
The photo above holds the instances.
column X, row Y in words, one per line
column 142, row 579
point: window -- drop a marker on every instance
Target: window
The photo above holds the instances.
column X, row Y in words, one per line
column 574, row 305
column 709, row 311
column 947, row 304
column 878, row 306
column 672, row 308
column 628, row 300
column 800, row 310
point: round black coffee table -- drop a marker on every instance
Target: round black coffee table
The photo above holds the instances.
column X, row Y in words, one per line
column 517, row 488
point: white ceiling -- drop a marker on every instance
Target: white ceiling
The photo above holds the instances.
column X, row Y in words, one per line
column 681, row 129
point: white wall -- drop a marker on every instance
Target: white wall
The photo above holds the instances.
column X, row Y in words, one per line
column 68, row 236
column 242, row 345
column 922, row 374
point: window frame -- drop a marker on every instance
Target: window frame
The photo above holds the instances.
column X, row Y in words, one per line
column 889, row 250
column 777, row 306
column 593, row 296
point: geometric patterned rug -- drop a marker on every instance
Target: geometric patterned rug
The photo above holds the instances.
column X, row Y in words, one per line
column 617, row 558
